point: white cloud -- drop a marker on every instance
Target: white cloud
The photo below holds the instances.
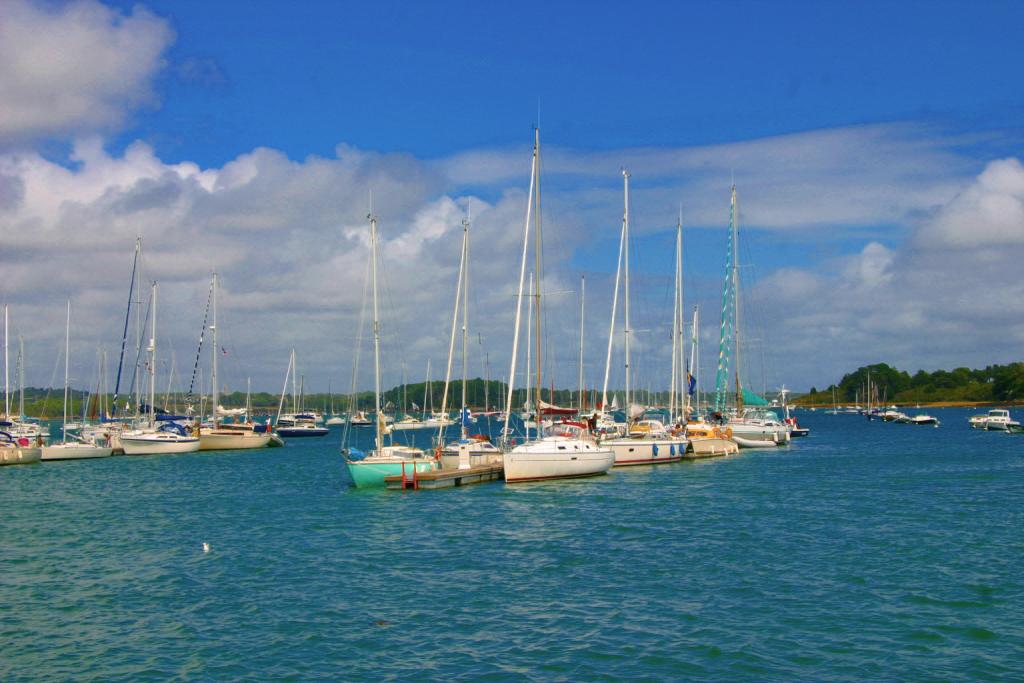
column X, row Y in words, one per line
column 75, row 68
column 289, row 238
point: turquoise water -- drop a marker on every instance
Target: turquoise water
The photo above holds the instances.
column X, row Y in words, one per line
column 867, row 551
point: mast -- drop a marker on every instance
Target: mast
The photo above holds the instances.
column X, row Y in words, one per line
column 677, row 353
column 611, row 331
column 295, row 391
column 540, row 277
column 695, row 357
column 248, row 399
column 529, row 345
column 127, row 316
column 213, row 365
column 7, row 379
column 583, row 296
column 21, row 376
column 519, row 297
column 379, row 417
column 465, row 329
column 627, row 330
column 451, row 339
column 152, row 365
column 734, row 216
column 67, row 365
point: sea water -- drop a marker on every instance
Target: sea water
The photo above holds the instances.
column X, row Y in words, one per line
column 867, row 551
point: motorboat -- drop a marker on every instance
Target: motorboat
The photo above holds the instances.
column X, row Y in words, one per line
column 923, row 420
column 707, row 440
column 758, row 426
column 479, row 451
column 998, row 419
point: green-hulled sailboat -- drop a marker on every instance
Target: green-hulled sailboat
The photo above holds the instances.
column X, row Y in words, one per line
column 388, row 460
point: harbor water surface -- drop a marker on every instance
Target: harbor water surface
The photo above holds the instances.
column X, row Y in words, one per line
column 867, row 551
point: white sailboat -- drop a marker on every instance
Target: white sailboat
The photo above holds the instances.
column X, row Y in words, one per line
column 222, row 437
column 14, row 449
column 167, row 438
column 466, row 452
column 647, row 441
column 567, row 450
column 752, row 427
column 386, row 460
column 71, row 450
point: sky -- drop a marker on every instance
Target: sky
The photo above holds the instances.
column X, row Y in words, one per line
column 875, row 148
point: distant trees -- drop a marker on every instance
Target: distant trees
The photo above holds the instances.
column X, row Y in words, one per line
column 992, row 383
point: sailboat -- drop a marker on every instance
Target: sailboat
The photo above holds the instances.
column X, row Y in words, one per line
column 647, row 441
column 466, row 452
column 71, row 450
column 14, row 449
column 168, row 437
column 754, row 426
column 386, row 460
column 234, row 436
column 567, row 449
column 296, row 423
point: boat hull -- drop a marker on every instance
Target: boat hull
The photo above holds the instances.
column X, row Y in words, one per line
column 745, row 442
column 632, row 452
column 711, row 447
column 298, row 432
column 75, row 452
column 142, row 446
column 370, row 473
column 16, row 455
column 534, row 462
column 232, row 440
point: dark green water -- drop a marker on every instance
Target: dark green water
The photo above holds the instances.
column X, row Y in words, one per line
column 868, row 551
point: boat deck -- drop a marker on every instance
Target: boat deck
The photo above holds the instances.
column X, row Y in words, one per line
column 442, row 479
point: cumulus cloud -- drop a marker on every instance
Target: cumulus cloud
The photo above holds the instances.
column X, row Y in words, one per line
column 290, row 238
column 75, row 68
column 948, row 295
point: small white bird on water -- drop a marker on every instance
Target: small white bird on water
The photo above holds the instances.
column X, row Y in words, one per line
column 206, row 547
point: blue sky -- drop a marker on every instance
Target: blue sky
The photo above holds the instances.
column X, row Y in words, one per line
column 875, row 146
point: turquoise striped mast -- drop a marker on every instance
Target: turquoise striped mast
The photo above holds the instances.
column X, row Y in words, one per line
column 728, row 339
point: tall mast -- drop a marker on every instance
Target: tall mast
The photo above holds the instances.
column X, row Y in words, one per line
column 248, row 400
column 67, row 365
column 213, row 365
column 583, row 296
column 127, row 317
column 451, row 338
column 627, row 330
column 611, row 331
column 735, row 219
column 295, row 391
column 695, row 357
column 540, row 275
column 465, row 325
column 529, row 346
column 379, row 417
column 676, row 333
column 7, row 379
column 21, row 376
column 519, row 298
column 152, row 365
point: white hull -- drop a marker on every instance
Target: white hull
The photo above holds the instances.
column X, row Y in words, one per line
column 232, row 440
column 157, row 444
column 629, row 452
column 16, row 455
column 744, row 442
column 556, row 458
column 75, row 451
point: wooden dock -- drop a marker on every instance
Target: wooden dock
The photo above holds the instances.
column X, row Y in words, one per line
column 442, row 479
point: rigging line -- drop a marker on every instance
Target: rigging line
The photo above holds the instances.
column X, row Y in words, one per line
column 199, row 350
column 127, row 316
column 140, row 348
